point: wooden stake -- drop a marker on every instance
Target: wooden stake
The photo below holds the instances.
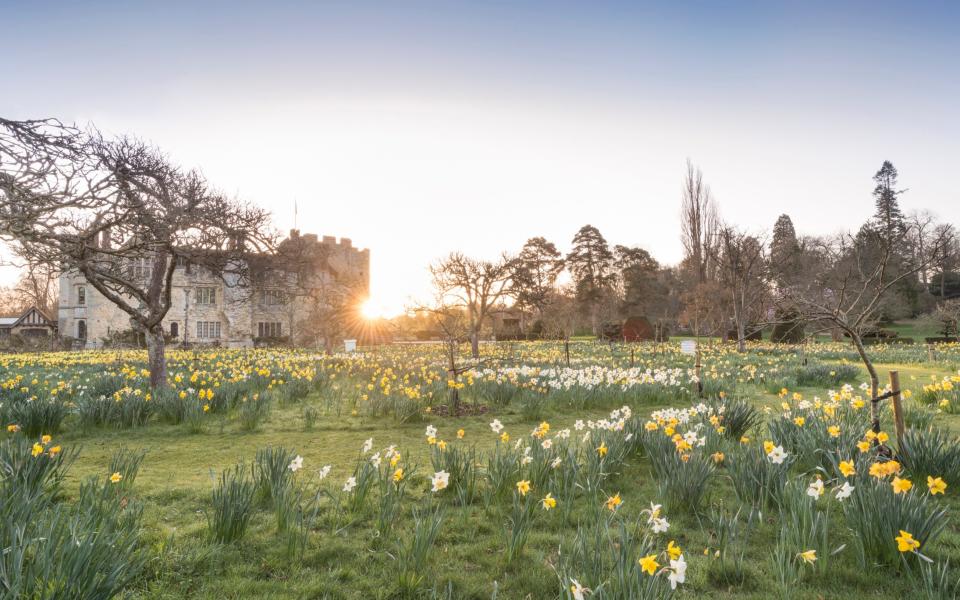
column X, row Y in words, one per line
column 930, row 352
column 699, row 374
column 897, row 404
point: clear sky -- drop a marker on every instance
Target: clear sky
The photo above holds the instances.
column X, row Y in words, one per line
column 418, row 128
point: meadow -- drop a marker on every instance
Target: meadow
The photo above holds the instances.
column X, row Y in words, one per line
column 289, row 474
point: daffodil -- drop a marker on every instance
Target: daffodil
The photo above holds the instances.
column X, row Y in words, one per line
column 901, row 486
column 906, row 543
column 936, row 485
column 673, row 549
column 614, row 502
column 846, row 468
column 649, row 564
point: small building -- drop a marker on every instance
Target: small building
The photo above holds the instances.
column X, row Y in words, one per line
column 32, row 323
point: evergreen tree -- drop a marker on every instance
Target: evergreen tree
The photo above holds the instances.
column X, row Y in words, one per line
column 784, row 251
column 591, row 264
column 535, row 273
column 888, row 219
column 638, row 277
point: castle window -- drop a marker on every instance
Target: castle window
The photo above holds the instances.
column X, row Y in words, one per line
column 140, row 268
column 81, row 330
column 272, row 297
column 206, row 295
column 174, row 329
column 269, row 329
column 81, row 295
column 208, row 329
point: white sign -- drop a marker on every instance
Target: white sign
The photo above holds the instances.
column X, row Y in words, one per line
column 350, row 345
column 688, row 347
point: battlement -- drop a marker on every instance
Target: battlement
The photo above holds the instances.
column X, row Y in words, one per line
column 343, row 243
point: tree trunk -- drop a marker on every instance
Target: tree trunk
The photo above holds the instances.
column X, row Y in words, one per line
column 874, row 381
column 156, row 357
column 475, row 343
column 452, row 375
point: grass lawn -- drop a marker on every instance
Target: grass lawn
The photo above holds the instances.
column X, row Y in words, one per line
column 346, row 558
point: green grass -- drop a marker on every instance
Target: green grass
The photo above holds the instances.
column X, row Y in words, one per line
column 918, row 329
column 350, row 561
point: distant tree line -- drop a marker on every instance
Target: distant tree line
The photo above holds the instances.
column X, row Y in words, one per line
column 731, row 283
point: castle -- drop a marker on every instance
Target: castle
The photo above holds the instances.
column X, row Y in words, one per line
column 205, row 310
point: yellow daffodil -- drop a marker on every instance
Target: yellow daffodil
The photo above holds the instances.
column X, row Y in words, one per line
column 936, row 485
column 523, row 487
column 649, row 564
column 906, row 543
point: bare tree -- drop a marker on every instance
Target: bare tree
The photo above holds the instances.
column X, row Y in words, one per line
column 452, row 320
column 699, row 222
column 741, row 267
column 37, row 286
column 12, row 301
column 857, row 274
column 323, row 302
column 477, row 286
column 119, row 213
column 921, row 230
column 947, row 259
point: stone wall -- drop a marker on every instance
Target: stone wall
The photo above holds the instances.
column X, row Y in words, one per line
column 238, row 309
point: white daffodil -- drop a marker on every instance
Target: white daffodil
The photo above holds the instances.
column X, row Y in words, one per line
column 440, row 480
column 844, row 491
column 678, row 571
column 815, row 489
column 777, row 455
column 296, row 464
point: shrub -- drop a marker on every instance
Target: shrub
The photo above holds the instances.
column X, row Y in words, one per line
column 29, row 474
column 89, row 551
column 126, row 462
column 683, row 479
column 931, row 452
column 232, row 501
column 756, row 480
column 252, row 411
column 737, row 417
column 271, row 472
column 413, row 553
column 876, row 515
column 39, row 417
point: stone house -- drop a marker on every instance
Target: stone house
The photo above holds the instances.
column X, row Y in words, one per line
column 31, row 323
column 206, row 309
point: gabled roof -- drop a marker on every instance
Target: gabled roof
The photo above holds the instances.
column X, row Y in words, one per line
column 31, row 316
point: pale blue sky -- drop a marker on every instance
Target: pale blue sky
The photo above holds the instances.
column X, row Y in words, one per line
column 417, row 128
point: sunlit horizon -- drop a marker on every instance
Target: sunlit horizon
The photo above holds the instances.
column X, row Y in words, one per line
column 423, row 128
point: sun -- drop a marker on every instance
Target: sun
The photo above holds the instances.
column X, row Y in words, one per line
column 372, row 310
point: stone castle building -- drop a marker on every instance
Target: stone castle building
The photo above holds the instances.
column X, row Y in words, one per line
column 206, row 310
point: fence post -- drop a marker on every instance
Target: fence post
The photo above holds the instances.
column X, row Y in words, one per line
column 897, row 405
column 930, row 352
column 699, row 372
